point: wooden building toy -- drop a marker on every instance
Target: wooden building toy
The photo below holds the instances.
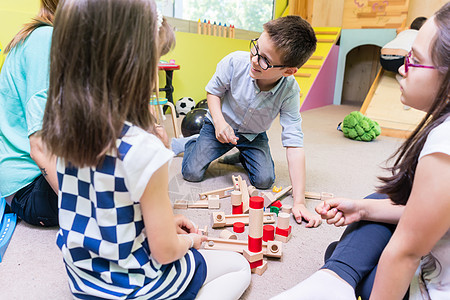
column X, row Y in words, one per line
column 286, row 208
column 180, row 204
column 252, row 191
column 235, row 180
column 270, row 249
column 268, row 233
column 221, row 220
column 254, row 253
column 227, row 235
column 283, row 231
column 221, row 192
column 213, row 202
column 270, row 198
column 238, row 227
column 245, row 195
column 319, row 196
column 236, row 202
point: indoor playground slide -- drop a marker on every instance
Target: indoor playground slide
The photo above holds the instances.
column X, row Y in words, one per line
column 382, row 104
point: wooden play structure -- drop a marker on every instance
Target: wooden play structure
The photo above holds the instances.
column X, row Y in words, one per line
column 383, row 105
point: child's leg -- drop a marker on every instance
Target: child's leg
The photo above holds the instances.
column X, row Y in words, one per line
column 228, row 275
column 37, row 203
column 200, row 152
column 359, row 249
column 257, row 160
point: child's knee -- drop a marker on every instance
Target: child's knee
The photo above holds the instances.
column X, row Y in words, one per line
column 191, row 175
column 262, row 182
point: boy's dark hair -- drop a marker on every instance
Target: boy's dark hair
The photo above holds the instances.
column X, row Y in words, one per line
column 294, row 38
column 417, row 23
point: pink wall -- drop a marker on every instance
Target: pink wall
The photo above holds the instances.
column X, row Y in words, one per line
column 321, row 92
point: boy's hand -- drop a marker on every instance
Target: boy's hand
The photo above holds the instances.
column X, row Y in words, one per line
column 301, row 212
column 340, row 211
column 225, row 134
column 184, row 225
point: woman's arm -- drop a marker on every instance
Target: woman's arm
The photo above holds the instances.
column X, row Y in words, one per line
column 44, row 160
column 165, row 244
column 424, row 221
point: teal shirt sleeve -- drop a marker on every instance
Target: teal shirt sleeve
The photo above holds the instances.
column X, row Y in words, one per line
column 36, row 67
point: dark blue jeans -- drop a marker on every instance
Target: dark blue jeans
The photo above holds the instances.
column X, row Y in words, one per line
column 254, row 155
column 37, row 203
column 355, row 257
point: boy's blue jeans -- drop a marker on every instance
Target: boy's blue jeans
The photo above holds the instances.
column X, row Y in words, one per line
column 255, row 156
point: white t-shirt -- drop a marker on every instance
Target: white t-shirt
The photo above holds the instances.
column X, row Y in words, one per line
column 437, row 283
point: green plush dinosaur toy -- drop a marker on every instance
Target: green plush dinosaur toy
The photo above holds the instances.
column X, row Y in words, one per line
column 357, row 126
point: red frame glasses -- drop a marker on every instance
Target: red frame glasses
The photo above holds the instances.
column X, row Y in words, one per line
column 408, row 64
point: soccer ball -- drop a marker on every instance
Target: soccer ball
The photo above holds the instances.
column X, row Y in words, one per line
column 184, row 105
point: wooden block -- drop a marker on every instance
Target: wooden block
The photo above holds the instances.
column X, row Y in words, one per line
column 236, row 197
column 213, row 202
column 180, row 204
column 325, row 196
column 252, row 191
column 221, row 192
column 245, row 195
column 228, row 235
column 199, row 204
column 270, row 198
column 261, row 269
column 235, row 180
column 311, row 195
column 283, row 220
column 252, row 256
column 269, row 249
column 221, row 220
column 283, row 239
column 218, row 219
column 273, row 249
column 286, row 208
column 203, row 231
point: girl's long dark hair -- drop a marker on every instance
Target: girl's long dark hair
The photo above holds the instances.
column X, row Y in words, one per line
column 43, row 18
column 104, row 62
column 398, row 186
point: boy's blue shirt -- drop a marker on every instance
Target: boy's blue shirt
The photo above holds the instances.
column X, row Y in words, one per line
column 24, row 82
column 251, row 111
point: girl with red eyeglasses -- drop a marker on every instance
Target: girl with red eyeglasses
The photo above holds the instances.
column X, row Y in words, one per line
column 397, row 244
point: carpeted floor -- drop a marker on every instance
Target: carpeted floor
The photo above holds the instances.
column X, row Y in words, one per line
column 32, row 267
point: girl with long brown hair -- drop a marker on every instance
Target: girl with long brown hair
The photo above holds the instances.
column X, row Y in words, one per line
column 408, row 225
column 27, row 173
column 118, row 235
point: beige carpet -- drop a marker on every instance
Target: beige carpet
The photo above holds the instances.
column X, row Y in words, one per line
column 33, row 269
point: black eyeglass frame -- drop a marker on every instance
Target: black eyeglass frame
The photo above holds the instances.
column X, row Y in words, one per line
column 253, row 45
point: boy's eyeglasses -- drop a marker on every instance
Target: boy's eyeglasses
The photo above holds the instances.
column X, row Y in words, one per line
column 408, row 64
column 262, row 61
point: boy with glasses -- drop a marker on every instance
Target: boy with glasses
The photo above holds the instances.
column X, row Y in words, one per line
column 244, row 96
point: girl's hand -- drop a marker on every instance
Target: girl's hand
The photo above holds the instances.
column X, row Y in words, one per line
column 198, row 240
column 340, row 211
column 184, row 225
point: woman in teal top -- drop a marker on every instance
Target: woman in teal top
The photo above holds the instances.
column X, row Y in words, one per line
column 27, row 173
